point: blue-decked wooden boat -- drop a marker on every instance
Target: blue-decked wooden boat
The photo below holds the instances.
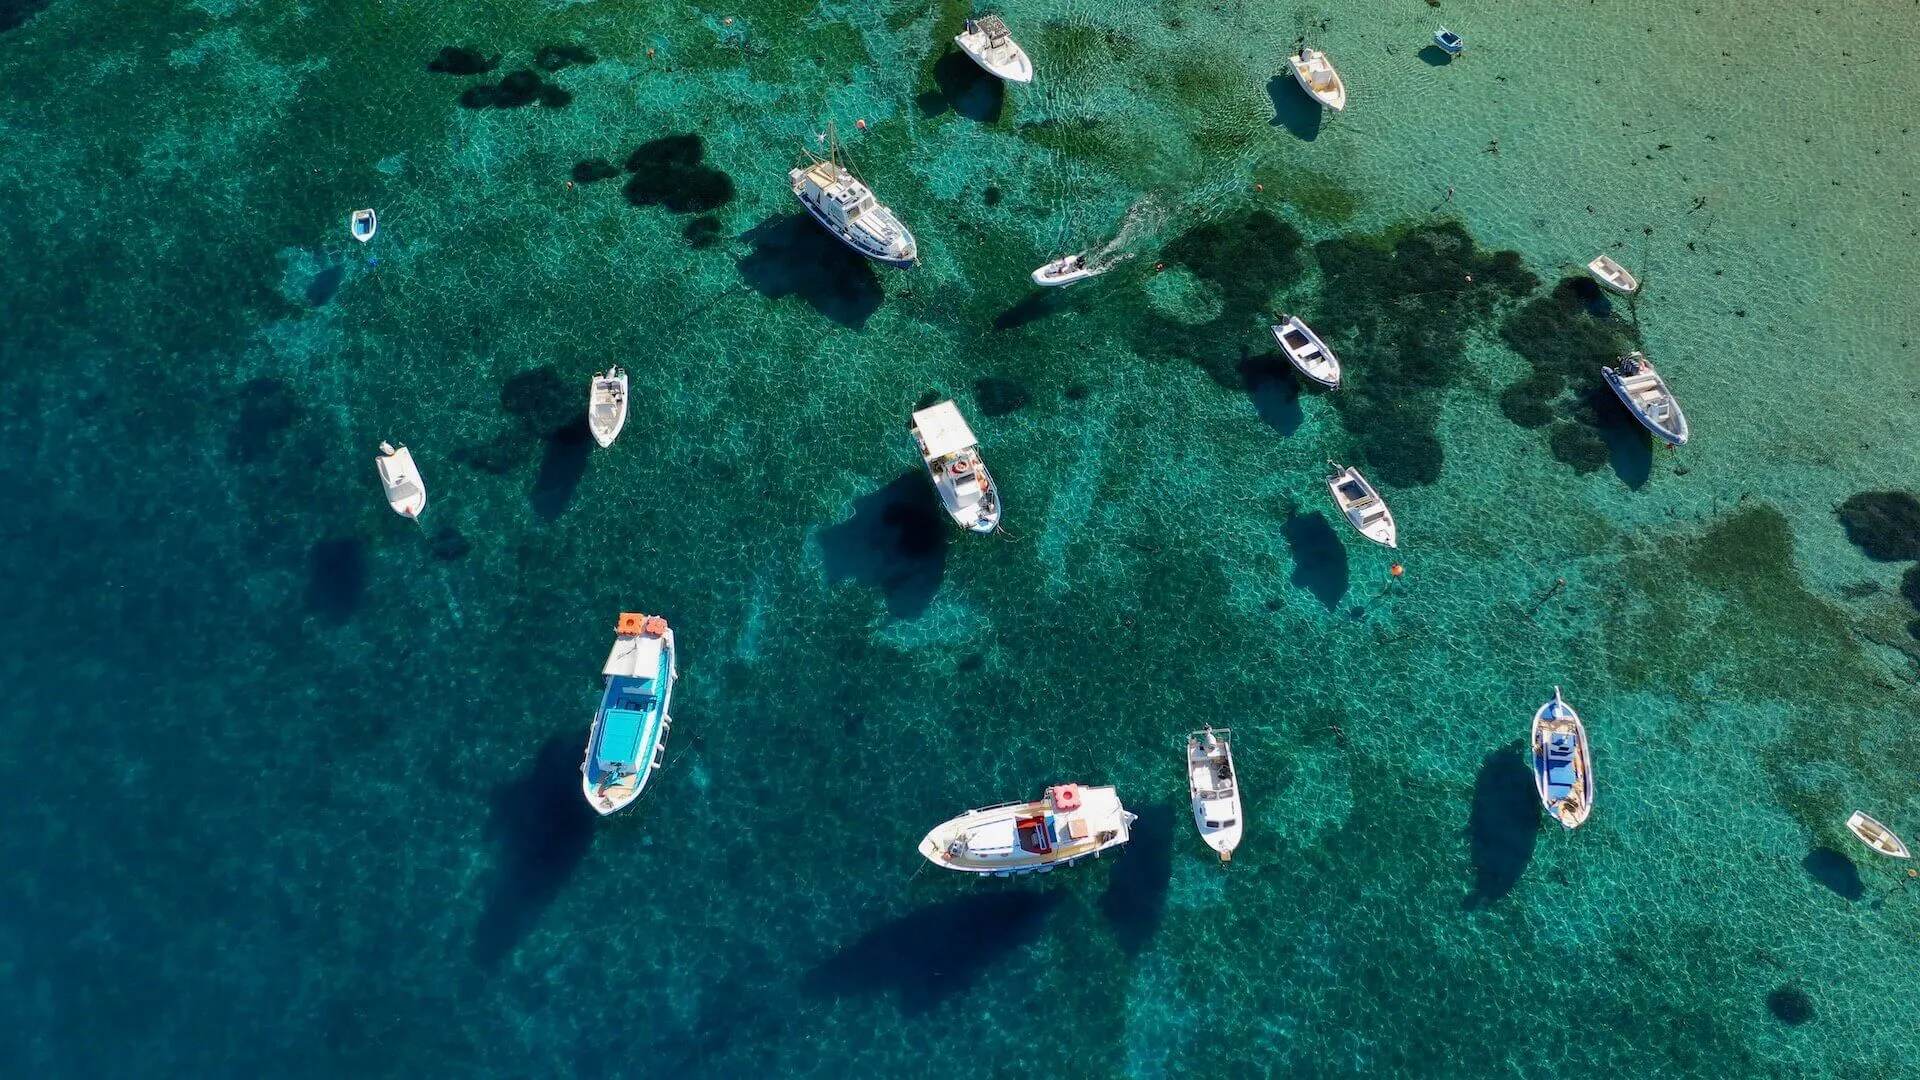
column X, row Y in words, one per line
column 629, row 738
column 1562, row 762
column 1450, row 43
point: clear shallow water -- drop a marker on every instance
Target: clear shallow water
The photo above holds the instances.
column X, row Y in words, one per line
column 294, row 781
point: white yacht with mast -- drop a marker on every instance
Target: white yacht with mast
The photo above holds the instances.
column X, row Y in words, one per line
column 952, row 457
column 1215, row 789
column 846, row 208
column 629, row 737
column 400, row 479
column 1066, row 824
column 986, row 42
column 607, row 405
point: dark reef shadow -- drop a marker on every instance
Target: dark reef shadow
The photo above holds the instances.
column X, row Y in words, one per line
column 1319, row 558
column 517, row 91
column 964, row 87
column 999, row 396
column 540, row 828
column 561, row 467
column 453, row 60
column 325, row 284
column 1435, row 56
column 1032, row 307
column 1293, row 109
column 1274, row 388
column 1503, row 825
column 1136, row 896
column 934, row 953
column 267, row 407
column 336, row 578
column 671, row 171
column 896, row 541
column 1835, row 871
column 794, row 256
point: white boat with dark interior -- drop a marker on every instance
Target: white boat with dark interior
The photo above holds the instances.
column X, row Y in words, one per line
column 1306, row 351
column 1068, row 269
column 607, row 405
column 846, row 208
column 1365, row 510
column 1612, row 275
column 1068, row 823
column 400, row 479
column 629, row 737
column 1215, row 789
column 986, row 42
column 1877, row 836
column 952, row 457
column 1646, row 395
column 1562, row 762
column 363, row 224
column 1315, row 74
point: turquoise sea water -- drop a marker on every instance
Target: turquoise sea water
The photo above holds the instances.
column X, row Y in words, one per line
column 291, row 782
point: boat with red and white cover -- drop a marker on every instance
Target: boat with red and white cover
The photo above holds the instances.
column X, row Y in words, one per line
column 1067, row 823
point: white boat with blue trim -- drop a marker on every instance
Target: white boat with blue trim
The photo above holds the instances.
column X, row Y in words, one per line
column 1068, row 823
column 846, row 208
column 629, row 738
column 1562, row 763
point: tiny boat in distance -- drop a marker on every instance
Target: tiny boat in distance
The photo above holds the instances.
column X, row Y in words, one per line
column 1645, row 393
column 607, row 405
column 363, row 224
column 1363, row 506
column 1450, row 43
column 986, row 42
column 629, row 737
column 1069, row 269
column 1612, row 275
column 400, row 478
column 1316, row 76
column 1215, row 789
column 952, row 457
column 848, row 210
column 1307, row 352
column 1066, row 824
column 1562, row 762
column 1877, row 836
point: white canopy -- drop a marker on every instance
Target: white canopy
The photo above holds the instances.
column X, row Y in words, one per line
column 943, row 430
column 634, row 655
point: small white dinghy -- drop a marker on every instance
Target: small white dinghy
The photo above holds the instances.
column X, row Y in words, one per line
column 1362, row 505
column 1069, row 269
column 1612, row 275
column 1877, row 836
column 406, row 493
column 1315, row 74
column 607, row 405
column 363, row 224
column 1307, row 351
column 1645, row 393
column 986, row 42
column 1562, row 762
column 1215, row 789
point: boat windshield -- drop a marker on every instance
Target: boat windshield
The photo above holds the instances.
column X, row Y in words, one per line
column 1353, row 491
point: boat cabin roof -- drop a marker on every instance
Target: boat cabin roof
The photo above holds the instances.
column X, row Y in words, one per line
column 943, row 430
column 621, row 732
column 637, row 656
column 992, row 838
column 992, row 26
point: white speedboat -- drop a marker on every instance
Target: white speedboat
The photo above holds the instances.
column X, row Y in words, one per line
column 1068, row 823
column 847, row 209
column 400, row 478
column 629, row 737
column 1069, row 269
column 1315, row 74
column 1612, row 275
column 952, row 457
column 363, row 224
column 1877, row 836
column 1307, row 351
column 1647, row 397
column 607, row 405
column 986, row 42
column 1363, row 506
column 1215, row 789
column 1562, row 762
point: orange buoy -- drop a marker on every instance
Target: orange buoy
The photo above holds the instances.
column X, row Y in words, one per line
column 1066, row 797
column 861, row 124
column 631, row 622
column 649, row 54
column 656, row 625
column 1398, row 570
column 1259, row 187
column 728, row 20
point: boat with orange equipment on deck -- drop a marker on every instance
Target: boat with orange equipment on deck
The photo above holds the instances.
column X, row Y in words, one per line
column 629, row 738
column 1069, row 822
column 952, row 457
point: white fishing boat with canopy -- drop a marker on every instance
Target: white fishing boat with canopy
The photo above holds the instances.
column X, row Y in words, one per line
column 1215, row 789
column 629, row 737
column 952, row 457
column 400, row 479
column 607, row 405
column 986, row 42
column 1068, row 823
column 1877, row 836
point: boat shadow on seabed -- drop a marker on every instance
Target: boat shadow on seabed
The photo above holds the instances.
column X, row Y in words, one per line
column 927, row 956
column 540, row 829
column 895, row 541
column 1503, row 826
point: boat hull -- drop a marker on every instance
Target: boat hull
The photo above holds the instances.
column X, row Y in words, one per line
column 1877, row 836
column 639, row 707
column 852, row 240
column 993, row 840
column 607, row 406
column 363, row 224
column 1357, row 509
column 1214, row 789
column 1307, row 361
column 400, row 481
column 1048, row 276
column 1676, row 430
column 1009, row 64
column 1613, row 276
column 1449, row 42
column 1571, row 808
column 1333, row 97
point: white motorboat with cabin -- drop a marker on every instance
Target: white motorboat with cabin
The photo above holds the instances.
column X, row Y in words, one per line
column 1306, row 351
column 1877, row 836
column 952, row 457
column 1068, row 823
column 629, row 737
column 400, row 479
column 1612, row 275
column 986, row 42
column 1069, row 269
column 363, row 224
column 1315, row 74
column 1215, row 789
column 1562, row 762
column 1646, row 395
column 607, row 405
column 846, row 208
column 1364, row 508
